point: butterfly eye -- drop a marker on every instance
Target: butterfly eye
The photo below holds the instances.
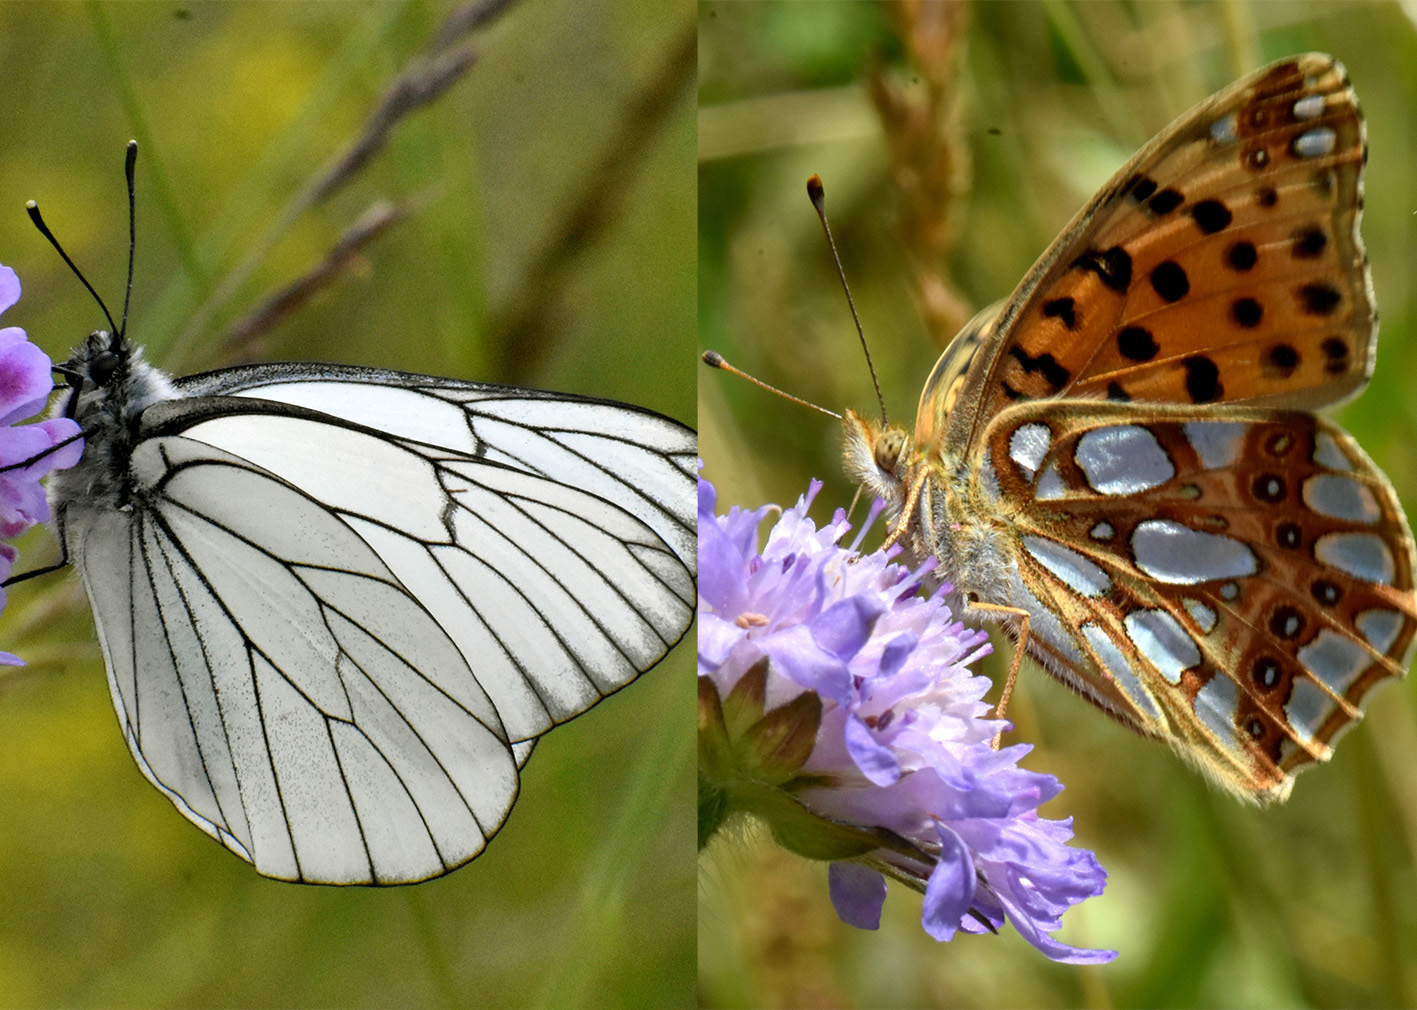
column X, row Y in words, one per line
column 102, row 367
column 890, row 444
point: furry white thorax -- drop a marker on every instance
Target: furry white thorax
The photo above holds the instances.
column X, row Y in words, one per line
column 108, row 412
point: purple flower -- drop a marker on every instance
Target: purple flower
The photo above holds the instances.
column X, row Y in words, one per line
column 29, row 451
column 836, row 704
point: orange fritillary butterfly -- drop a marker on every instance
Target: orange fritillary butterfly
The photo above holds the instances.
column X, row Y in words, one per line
column 1121, row 459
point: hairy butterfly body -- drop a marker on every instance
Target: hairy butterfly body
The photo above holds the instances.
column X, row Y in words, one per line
column 338, row 605
column 1121, row 457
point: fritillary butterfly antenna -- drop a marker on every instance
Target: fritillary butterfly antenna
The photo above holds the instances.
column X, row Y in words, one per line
column 888, row 445
column 817, row 193
column 715, row 360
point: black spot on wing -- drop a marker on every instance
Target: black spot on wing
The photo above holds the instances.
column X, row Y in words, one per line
column 1165, row 202
column 1242, row 256
column 1325, row 592
column 1319, row 298
column 1212, row 216
column 1044, row 364
column 1268, row 488
column 1246, row 312
column 1202, row 379
column 1308, row 243
column 1137, row 344
column 1113, row 265
column 1280, row 361
column 1062, row 309
column 1335, row 355
column 1140, row 187
column 1169, row 280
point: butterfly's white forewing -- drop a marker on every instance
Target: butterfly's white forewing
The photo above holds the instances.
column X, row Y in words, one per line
column 338, row 606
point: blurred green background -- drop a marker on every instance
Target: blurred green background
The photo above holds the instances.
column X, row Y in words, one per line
column 108, row 897
column 1209, row 903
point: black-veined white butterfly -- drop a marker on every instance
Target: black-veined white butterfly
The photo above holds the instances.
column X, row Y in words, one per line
column 338, row 605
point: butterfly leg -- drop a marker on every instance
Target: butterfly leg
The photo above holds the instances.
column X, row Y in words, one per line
column 911, row 500
column 63, row 561
column 1022, row 626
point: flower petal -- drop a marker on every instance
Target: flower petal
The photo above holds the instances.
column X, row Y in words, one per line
column 796, row 654
column 9, row 288
column 858, row 894
column 878, row 763
column 845, row 627
column 950, row 890
column 59, row 430
column 26, row 381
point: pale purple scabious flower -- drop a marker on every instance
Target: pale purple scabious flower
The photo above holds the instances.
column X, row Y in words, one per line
column 893, row 771
column 26, row 381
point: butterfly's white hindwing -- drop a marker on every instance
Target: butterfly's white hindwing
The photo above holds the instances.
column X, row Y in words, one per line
column 333, row 635
column 280, row 686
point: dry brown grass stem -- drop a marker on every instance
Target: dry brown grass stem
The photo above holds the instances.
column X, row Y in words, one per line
column 243, row 340
column 424, row 78
column 930, row 165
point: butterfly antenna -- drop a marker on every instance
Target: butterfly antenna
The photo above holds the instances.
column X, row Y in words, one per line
column 818, row 196
column 130, row 163
column 33, row 209
column 715, row 360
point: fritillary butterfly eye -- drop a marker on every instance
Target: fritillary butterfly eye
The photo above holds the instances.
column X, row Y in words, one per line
column 1127, row 464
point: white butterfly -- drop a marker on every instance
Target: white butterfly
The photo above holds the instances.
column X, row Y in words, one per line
column 338, row 605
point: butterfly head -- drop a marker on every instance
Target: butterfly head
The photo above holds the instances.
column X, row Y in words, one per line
column 110, row 382
column 105, row 358
column 96, row 366
column 876, row 457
